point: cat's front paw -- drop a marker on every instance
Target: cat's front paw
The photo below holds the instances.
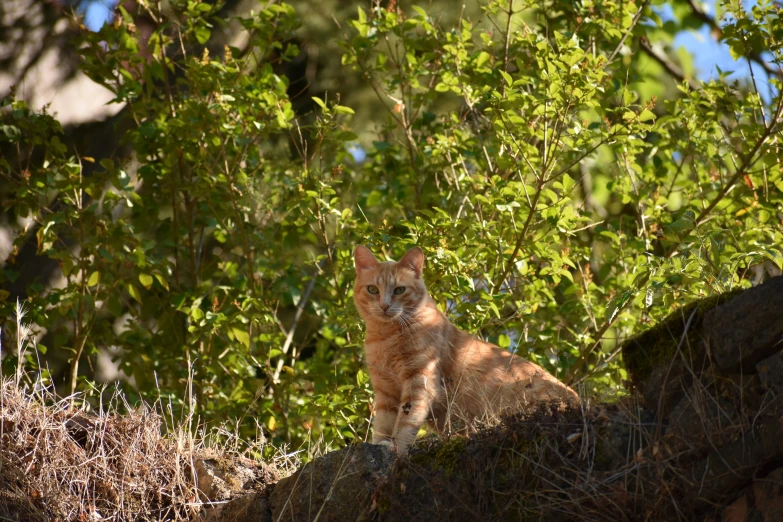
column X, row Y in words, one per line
column 389, row 444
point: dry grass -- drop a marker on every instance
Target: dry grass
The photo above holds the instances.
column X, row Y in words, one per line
column 59, row 462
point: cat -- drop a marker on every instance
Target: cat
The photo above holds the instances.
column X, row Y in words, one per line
column 423, row 368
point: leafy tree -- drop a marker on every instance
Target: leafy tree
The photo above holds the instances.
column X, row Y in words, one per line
column 565, row 194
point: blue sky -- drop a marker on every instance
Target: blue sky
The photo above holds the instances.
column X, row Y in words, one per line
column 706, row 51
column 96, row 12
column 709, row 54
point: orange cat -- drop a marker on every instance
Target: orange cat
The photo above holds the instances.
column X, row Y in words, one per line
column 423, row 368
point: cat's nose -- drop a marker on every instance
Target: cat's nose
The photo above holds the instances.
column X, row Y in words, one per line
column 385, row 307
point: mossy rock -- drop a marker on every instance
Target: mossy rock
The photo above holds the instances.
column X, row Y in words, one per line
column 494, row 474
column 655, row 348
column 443, row 456
column 338, row 486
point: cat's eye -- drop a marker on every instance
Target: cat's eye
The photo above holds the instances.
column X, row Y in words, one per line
column 372, row 289
column 399, row 290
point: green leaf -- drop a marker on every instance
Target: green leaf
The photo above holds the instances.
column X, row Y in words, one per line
column 146, row 280
column 347, row 136
column 94, row 278
column 361, row 377
column 242, row 336
column 422, row 13
column 342, row 109
column 374, row 198
column 162, row 281
column 202, row 34
column 568, row 182
column 646, row 115
column 482, row 58
column 506, row 77
column 134, row 293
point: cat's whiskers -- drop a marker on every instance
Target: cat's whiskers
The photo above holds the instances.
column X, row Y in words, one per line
column 404, row 322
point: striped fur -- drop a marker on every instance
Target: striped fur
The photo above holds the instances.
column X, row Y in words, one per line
column 423, row 368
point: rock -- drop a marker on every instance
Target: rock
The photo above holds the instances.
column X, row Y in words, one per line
column 660, row 361
column 223, row 478
column 763, row 501
column 771, row 372
column 252, row 507
column 665, row 386
column 225, row 486
column 748, row 328
column 336, row 487
column 701, row 416
column 212, row 483
column 718, row 408
column 732, row 466
column 513, row 471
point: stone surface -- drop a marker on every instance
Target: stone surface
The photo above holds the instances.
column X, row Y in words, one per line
column 771, row 372
column 700, row 416
column 213, row 483
column 733, row 465
column 252, row 507
column 224, row 478
column 661, row 360
column 748, row 328
column 234, row 489
column 336, row 487
column 665, row 386
column 762, row 502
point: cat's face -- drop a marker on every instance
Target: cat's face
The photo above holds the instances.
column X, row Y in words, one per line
column 388, row 291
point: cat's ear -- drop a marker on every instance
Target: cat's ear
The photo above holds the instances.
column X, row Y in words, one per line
column 363, row 259
column 413, row 260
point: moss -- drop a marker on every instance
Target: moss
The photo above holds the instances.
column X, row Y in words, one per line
column 423, row 459
column 444, row 458
column 224, row 464
column 513, row 462
column 384, row 505
column 656, row 346
column 450, row 453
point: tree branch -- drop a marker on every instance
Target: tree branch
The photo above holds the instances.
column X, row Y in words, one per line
column 673, row 70
column 629, row 31
column 747, row 163
column 521, row 238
